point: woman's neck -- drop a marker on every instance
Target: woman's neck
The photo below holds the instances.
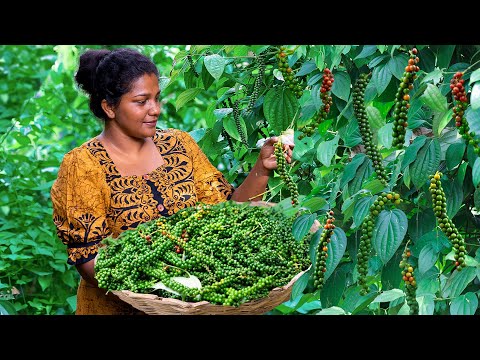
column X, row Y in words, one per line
column 121, row 142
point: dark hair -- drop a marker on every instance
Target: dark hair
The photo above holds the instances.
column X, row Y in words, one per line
column 105, row 74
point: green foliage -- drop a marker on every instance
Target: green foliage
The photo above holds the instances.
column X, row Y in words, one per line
column 43, row 116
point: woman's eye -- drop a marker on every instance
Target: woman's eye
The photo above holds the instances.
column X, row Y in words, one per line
column 142, row 102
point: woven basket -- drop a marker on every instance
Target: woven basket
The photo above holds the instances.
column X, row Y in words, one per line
column 154, row 305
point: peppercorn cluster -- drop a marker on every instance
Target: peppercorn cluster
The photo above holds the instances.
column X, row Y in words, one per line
column 364, row 126
column 322, row 252
column 461, row 104
column 363, row 254
column 408, row 277
column 283, row 172
column 439, row 203
column 192, row 65
column 236, row 118
column 257, row 84
column 291, row 81
column 238, row 252
column 402, row 100
column 327, row 101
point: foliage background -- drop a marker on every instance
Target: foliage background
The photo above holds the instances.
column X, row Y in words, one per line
column 43, row 115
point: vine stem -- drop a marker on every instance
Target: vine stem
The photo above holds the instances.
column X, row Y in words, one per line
column 265, row 192
column 468, row 68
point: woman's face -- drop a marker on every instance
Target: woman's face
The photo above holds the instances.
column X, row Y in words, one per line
column 138, row 111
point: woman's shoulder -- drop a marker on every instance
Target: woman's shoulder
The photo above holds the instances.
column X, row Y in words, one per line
column 181, row 136
column 80, row 155
column 170, row 132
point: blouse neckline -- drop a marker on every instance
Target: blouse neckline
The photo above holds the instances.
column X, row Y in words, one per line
column 110, row 161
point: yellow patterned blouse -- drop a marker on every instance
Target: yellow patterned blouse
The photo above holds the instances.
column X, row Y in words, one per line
column 91, row 200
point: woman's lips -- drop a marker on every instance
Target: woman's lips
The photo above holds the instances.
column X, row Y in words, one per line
column 151, row 123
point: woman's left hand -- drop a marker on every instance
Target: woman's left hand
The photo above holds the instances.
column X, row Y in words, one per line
column 267, row 153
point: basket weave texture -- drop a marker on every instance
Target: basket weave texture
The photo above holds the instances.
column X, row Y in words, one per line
column 154, row 305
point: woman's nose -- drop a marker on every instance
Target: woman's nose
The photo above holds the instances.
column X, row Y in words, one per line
column 155, row 108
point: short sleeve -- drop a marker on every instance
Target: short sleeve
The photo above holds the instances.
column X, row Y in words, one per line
column 80, row 198
column 210, row 183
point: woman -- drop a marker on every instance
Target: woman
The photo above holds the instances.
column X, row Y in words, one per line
column 132, row 172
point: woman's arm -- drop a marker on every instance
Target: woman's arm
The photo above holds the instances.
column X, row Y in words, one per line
column 87, row 271
column 256, row 182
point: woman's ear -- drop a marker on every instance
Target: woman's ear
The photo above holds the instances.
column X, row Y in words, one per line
column 109, row 110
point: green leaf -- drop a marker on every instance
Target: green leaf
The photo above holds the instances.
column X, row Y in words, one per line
column 397, row 65
column 44, row 281
column 377, row 61
column 363, row 173
column 421, row 237
column 72, row 302
column 351, row 169
column 390, row 277
column 334, row 310
column 302, row 225
column 163, row 81
column 231, row 128
column 302, row 146
column 454, row 194
column 309, row 306
column 435, row 76
column 300, row 285
column 434, row 99
column 388, row 233
column 426, row 304
column 381, row 77
column 361, row 209
column 333, row 289
column 7, row 308
column 465, row 304
column 427, row 258
column 385, row 135
column 306, row 68
column 240, row 50
column 326, row 150
column 458, row 281
column 313, row 246
column 367, row 50
column 314, row 204
column 341, row 85
column 221, row 113
column 336, row 249
column 215, row 65
column 374, row 186
column 444, row 55
column 475, row 76
column 476, row 172
column 348, row 206
column 280, row 106
column 440, row 120
column 209, row 115
column 427, row 283
column 454, row 155
column 350, row 134
column 462, row 170
column 476, row 199
column 412, row 151
column 374, row 117
column 427, row 162
column 389, row 295
column 186, row 96
column 207, row 78
column 314, row 79
column 419, row 117
column 190, row 79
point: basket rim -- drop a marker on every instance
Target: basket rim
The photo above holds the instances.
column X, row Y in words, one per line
column 197, row 304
